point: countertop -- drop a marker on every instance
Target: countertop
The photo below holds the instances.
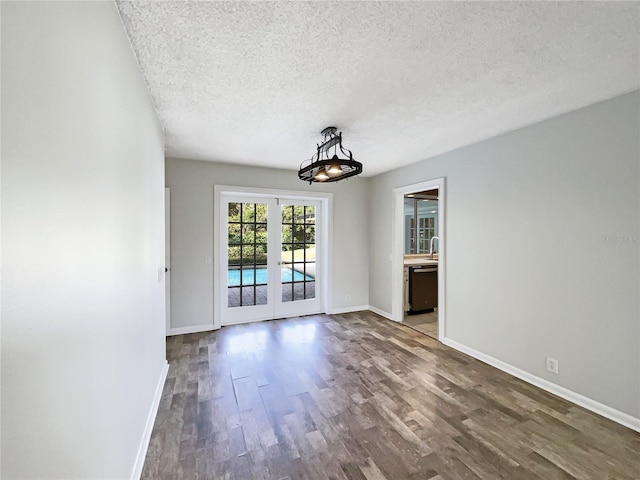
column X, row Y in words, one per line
column 411, row 260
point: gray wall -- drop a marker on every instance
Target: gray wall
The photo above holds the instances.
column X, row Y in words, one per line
column 82, row 241
column 542, row 247
column 191, row 183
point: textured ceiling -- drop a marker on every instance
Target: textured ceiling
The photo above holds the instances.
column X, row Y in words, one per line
column 255, row 82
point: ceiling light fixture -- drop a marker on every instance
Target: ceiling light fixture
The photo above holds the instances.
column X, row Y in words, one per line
column 324, row 167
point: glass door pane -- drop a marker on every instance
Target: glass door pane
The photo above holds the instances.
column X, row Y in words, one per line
column 298, row 253
column 247, row 272
column 409, row 225
column 427, row 215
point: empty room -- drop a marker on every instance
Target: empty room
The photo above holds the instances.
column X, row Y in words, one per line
column 352, row 240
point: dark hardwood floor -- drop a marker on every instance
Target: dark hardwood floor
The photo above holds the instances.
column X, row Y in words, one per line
column 355, row 396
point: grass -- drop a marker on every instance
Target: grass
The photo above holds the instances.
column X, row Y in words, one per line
column 298, row 255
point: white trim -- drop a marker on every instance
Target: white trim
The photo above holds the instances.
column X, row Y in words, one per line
column 230, row 315
column 167, row 257
column 397, row 250
column 244, row 321
column 382, row 313
column 337, row 311
column 309, row 306
column 148, row 428
column 592, row 405
column 326, row 266
column 191, row 329
column 271, row 192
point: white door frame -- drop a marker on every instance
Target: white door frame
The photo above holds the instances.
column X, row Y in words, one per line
column 326, row 200
column 247, row 313
column 397, row 264
column 310, row 305
column 167, row 258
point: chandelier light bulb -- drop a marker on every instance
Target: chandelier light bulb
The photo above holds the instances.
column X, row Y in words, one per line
column 321, row 176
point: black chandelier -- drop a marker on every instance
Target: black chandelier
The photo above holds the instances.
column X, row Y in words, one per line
column 323, row 167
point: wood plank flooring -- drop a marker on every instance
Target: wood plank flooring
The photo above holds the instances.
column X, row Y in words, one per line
column 356, row 397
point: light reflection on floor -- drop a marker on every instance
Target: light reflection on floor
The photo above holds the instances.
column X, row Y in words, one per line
column 298, row 334
column 247, row 342
column 247, row 338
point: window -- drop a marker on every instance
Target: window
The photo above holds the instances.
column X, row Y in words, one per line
column 421, row 221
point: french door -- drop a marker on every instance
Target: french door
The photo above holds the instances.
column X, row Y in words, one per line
column 269, row 258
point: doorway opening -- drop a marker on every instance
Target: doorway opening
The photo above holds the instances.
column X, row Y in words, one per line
column 420, row 306
column 418, row 254
column 271, row 255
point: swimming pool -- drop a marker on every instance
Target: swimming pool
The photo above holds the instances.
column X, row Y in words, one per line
column 233, row 276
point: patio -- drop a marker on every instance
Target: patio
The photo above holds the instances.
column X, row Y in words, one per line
column 260, row 295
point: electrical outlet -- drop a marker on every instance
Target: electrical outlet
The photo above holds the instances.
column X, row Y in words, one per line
column 552, row 365
column 347, row 297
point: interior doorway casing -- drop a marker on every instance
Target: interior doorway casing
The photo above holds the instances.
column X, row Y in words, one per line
column 397, row 252
column 326, row 200
column 167, row 259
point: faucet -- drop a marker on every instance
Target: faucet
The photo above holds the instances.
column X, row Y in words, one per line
column 431, row 245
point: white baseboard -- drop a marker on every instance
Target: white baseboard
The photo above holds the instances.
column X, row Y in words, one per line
column 148, row 428
column 359, row 308
column 192, row 329
column 592, row 405
column 382, row 313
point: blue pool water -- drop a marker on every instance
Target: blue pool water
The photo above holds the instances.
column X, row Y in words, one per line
column 233, row 276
